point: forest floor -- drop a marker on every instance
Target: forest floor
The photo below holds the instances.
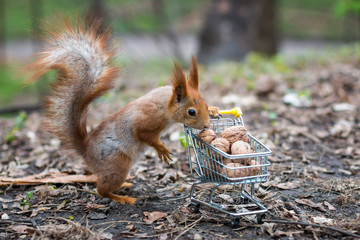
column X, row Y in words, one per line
column 313, row 191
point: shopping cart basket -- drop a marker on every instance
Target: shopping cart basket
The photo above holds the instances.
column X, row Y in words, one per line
column 231, row 193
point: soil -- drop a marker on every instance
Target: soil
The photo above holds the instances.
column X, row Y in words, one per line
column 313, row 191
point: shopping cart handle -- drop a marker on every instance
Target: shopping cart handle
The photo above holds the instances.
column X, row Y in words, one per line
column 234, row 111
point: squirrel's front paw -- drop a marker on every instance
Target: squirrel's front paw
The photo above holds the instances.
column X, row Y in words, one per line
column 164, row 154
column 214, row 112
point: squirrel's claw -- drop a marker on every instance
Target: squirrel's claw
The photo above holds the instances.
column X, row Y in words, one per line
column 214, row 112
column 164, row 155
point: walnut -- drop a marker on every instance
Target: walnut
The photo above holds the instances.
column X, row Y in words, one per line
column 226, row 161
column 238, row 172
column 254, row 170
column 207, row 135
column 222, row 144
column 234, row 173
column 241, row 147
column 235, row 133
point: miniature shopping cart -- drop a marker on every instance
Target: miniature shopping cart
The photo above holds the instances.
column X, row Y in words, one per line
column 232, row 194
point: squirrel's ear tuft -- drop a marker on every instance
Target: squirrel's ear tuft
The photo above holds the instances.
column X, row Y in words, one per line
column 194, row 75
column 179, row 83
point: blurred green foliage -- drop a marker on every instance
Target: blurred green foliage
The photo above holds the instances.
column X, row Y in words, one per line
column 12, row 83
column 250, row 68
column 9, row 84
column 138, row 16
column 146, row 16
column 18, row 14
column 20, row 121
column 256, row 64
column 318, row 5
column 343, row 7
column 125, row 15
column 323, row 19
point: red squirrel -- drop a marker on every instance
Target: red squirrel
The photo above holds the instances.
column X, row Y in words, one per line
column 83, row 60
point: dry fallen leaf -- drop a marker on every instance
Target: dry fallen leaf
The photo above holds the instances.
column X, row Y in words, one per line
column 19, row 228
column 170, row 176
column 15, row 170
column 180, row 217
column 310, row 203
column 61, row 205
column 287, row 185
column 268, row 227
column 160, row 226
column 270, row 195
column 106, row 235
column 226, row 197
column 163, row 237
column 342, row 128
column 197, row 236
column 153, row 216
column 34, row 213
column 331, row 207
column 185, row 209
column 131, row 228
column 323, row 220
column 7, row 200
column 280, row 233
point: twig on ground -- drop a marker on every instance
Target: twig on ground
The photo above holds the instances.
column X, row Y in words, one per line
column 318, row 141
column 175, row 199
column 165, row 233
column 312, row 225
column 297, row 210
column 190, row 226
column 87, row 191
column 103, row 230
column 150, row 236
column 120, row 221
column 23, row 221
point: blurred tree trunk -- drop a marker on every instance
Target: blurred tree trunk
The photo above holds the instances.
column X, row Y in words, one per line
column 2, row 32
column 232, row 28
column 158, row 7
column 36, row 11
column 97, row 12
column 266, row 31
column 351, row 27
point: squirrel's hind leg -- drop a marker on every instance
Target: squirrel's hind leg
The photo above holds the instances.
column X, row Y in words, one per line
column 122, row 199
column 108, row 184
column 114, row 178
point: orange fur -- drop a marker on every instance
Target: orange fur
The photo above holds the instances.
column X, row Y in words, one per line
column 82, row 59
column 73, row 90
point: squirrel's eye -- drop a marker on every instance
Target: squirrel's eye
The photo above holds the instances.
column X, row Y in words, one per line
column 192, row 112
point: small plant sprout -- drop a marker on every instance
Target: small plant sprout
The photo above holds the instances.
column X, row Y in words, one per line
column 18, row 125
column 24, row 203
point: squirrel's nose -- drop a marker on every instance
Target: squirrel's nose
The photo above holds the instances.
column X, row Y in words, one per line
column 206, row 126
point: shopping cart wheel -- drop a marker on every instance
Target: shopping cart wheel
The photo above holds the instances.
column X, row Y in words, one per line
column 196, row 208
column 260, row 218
column 236, row 222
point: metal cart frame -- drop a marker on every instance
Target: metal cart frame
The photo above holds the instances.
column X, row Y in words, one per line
column 208, row 165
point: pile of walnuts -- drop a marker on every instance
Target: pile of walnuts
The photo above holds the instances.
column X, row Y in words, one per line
column 233, row 140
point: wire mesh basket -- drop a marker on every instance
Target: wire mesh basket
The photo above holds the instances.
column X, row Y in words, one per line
column 209, row 164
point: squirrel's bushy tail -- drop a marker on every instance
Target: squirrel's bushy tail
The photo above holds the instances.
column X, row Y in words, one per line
column 82, row 57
